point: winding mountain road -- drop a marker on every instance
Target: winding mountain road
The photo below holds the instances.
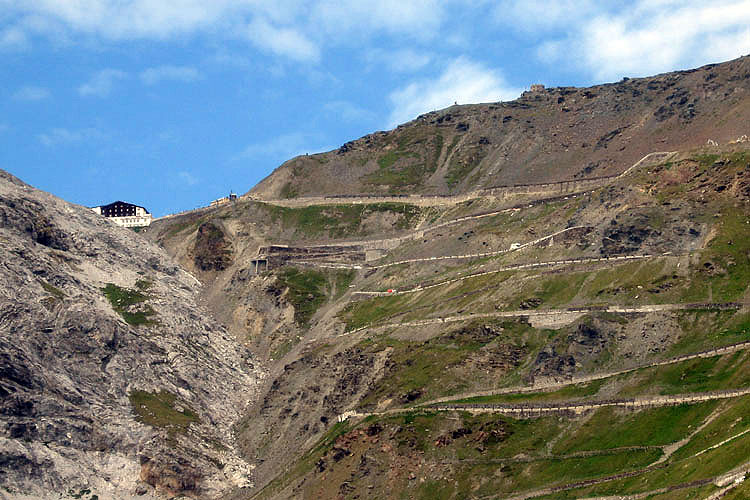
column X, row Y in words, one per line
column 532, row 313
column 517, row 267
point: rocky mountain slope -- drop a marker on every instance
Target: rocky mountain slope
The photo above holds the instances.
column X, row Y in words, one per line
column 567, row 341
column 636, row 292
column 551, row 135
column 114, row 381
column 572, row 340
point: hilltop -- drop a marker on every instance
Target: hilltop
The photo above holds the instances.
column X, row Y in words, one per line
column 551, row 135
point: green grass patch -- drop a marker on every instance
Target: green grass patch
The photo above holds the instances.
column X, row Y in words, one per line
column 143, row 285
column 433, row 302
column 398, row 174
column 289, row 191
column 729, row 371
column 419, row 371
column 52, row 290
column 558, row 472
column 283, row 349
column 124, row 299
column 622, row 281
column 453, row 144
column 341, row 280
column 366, row 312
column 307, row 291
column 706, row 160
column 731, row 422
column 415, row 156
column 502, row 440
column 725, row 263
column 678, row 471
column 457, row 172
column 705, row 374
column 560, row 290
column 566, row 393
column 178, row 228
column 610, row 428
column 337, row 221
column 438, row 151
column 708, row 329
column 463, row 162
column 163, row 410
column 387, row 160
column 306, row 462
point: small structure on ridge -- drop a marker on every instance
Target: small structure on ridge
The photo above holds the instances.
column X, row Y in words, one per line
column 225, row 199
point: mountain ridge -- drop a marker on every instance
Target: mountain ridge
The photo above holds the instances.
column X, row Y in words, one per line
column 546, row 136
column 590, row 339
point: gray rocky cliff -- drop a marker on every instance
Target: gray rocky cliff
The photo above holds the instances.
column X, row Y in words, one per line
column 129, row 393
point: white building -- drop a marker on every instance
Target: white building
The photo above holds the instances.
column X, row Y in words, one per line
column 125, row 214
column 224, row 200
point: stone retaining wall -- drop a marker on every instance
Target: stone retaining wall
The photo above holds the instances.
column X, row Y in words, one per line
column 517, row 267
column 552, row 312
column 576, row 408
column 500, row 192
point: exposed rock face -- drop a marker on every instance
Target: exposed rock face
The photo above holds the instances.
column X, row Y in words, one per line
column 95, row 395
column 304, row 400
column 622, row 240
column 564, row 357
column 212, row 250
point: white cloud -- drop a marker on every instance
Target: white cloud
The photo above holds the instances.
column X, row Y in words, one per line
column 347, row 111
column 399, row 61
column 152, row 76
column 31, row 93
column 282, row 41
column 639, row 38
column 188, row 178
column 134, row 19
column 283, row 147
column 130, row 19
column 663, row 37
column 408, row 60
column 291, row 28
column 13, row 38
column 463, row 81
column 226, row 58
column 169, row 135
column 102, row 83
column 420, row 19
column 62, row 136
column 537, row 15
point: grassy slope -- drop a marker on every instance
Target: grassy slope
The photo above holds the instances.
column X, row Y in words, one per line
column 489, row 455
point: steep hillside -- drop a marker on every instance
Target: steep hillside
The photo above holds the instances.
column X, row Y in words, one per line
column 586, row 337
column 559, row 133
column 651, row 268
column 114, row 382
column 258, row 309
column 500, row 347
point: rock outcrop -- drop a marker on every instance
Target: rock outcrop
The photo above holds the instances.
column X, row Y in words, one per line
column 113, row 380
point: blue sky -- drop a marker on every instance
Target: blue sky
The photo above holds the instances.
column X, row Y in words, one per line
column 172, row 103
